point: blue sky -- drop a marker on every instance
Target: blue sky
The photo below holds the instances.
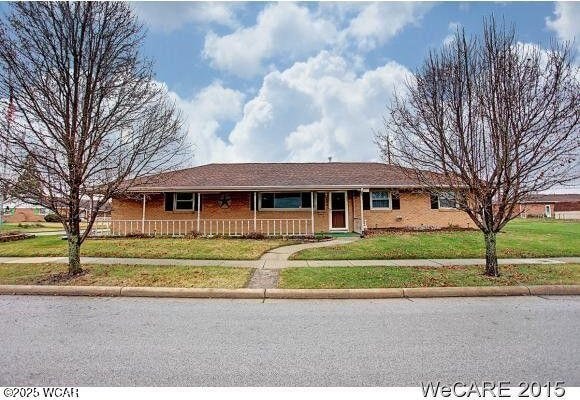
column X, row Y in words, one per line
column 178, row 49
column 305, row 81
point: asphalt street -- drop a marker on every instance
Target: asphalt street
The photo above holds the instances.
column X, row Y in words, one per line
column 62, row 341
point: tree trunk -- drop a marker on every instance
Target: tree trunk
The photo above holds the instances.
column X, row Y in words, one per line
column 491, row 266
column 74, row 249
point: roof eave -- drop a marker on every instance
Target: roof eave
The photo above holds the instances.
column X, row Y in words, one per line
column 270, row 188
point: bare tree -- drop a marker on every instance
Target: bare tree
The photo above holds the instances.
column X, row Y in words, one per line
column 85, row 115
column 495, row 119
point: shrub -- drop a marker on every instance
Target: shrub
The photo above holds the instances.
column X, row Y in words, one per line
column 51, row 218
column 254, row 235
column 319, row 236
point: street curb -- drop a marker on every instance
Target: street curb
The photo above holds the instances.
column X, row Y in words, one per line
column 476, row 291
column 262, row 294
column 554, row 290
column 207, row 293
column 61, row 290
column 334, row 293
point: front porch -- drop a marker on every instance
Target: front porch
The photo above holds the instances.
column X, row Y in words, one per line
column 204, row 227
column 234, row 214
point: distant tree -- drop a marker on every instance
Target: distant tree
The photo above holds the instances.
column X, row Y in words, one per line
column 85, row 111
column 496, row 119
column 27, row 185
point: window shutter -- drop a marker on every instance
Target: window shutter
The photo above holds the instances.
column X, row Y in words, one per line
column 320, row 201
column 366, row 201
column 306, row 200
column 396, row 201
column 434, row 202
column 251, row 201
column 168, row 201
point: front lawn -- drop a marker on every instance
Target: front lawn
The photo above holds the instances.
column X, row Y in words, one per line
column 127, row 275
column 195, row 249
column 31, row 227
column 520, row 238
column 396, row 277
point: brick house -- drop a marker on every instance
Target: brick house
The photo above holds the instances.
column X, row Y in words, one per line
column 281, row 199
column 18, row 211
column 559, row 206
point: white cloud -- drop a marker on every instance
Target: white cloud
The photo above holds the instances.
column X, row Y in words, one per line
column 292, row 32
column 565, row 21
column 281, row 30
column 452, row 29
column 204, row 116
column 169, row 17
column 378, row 22
column 312, row 110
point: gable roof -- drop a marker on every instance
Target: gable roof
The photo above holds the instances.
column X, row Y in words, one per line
column 280, row 176
column 553, row 198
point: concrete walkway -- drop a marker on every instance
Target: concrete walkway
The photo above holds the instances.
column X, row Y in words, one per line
column 49, row 233
column 273, row 259
column 279, row 264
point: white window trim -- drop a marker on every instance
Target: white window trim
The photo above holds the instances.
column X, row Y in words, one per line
column 184, row 209
column 446, row 208
column 260, row 208
column 390, row 207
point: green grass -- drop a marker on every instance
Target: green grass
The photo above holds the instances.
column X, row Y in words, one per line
column 395, row 277
column 127, row 275
column 31, row 227
column 520, row 238
column 195, row 249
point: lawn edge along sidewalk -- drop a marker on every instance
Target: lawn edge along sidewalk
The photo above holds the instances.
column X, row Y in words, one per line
column 118, row 291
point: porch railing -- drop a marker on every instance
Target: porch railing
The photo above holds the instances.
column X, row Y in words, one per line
column 203, row 227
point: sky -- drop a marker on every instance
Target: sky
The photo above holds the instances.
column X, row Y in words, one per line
column 307, row 81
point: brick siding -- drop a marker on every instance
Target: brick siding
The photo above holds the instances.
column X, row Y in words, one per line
column 415, row 212
column 23, row 215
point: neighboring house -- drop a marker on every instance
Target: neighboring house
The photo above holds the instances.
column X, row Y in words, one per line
column 87, row 207
column 281, row 199
column 559, row 206
column 17, row 211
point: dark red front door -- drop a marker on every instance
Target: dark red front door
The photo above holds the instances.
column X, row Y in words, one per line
column 338, row 203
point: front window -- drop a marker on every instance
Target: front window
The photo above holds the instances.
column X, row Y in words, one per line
column 288, row 201
column 184, row 201
column 380, row 200
column 447, row 200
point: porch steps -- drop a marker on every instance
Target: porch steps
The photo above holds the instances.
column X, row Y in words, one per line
column 342, row 234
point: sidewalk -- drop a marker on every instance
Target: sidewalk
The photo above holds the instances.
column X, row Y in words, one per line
column 279, row 264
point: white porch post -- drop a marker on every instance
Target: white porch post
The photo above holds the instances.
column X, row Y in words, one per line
column 143, row 215
column 198, row 210
column 362, row 217
column 255, row 211
column 312, row 211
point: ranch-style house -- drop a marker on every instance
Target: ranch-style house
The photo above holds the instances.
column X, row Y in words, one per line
column 280, row 199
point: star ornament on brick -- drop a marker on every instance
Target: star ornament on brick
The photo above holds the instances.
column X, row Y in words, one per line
column 225, row 201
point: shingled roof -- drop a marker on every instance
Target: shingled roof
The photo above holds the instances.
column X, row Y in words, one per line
column 553, row 198
column 256, row 176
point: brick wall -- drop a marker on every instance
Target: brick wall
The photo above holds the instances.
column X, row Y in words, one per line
column 23, row 215
column 536, row 209
column 415, row 212
column 567, row 206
